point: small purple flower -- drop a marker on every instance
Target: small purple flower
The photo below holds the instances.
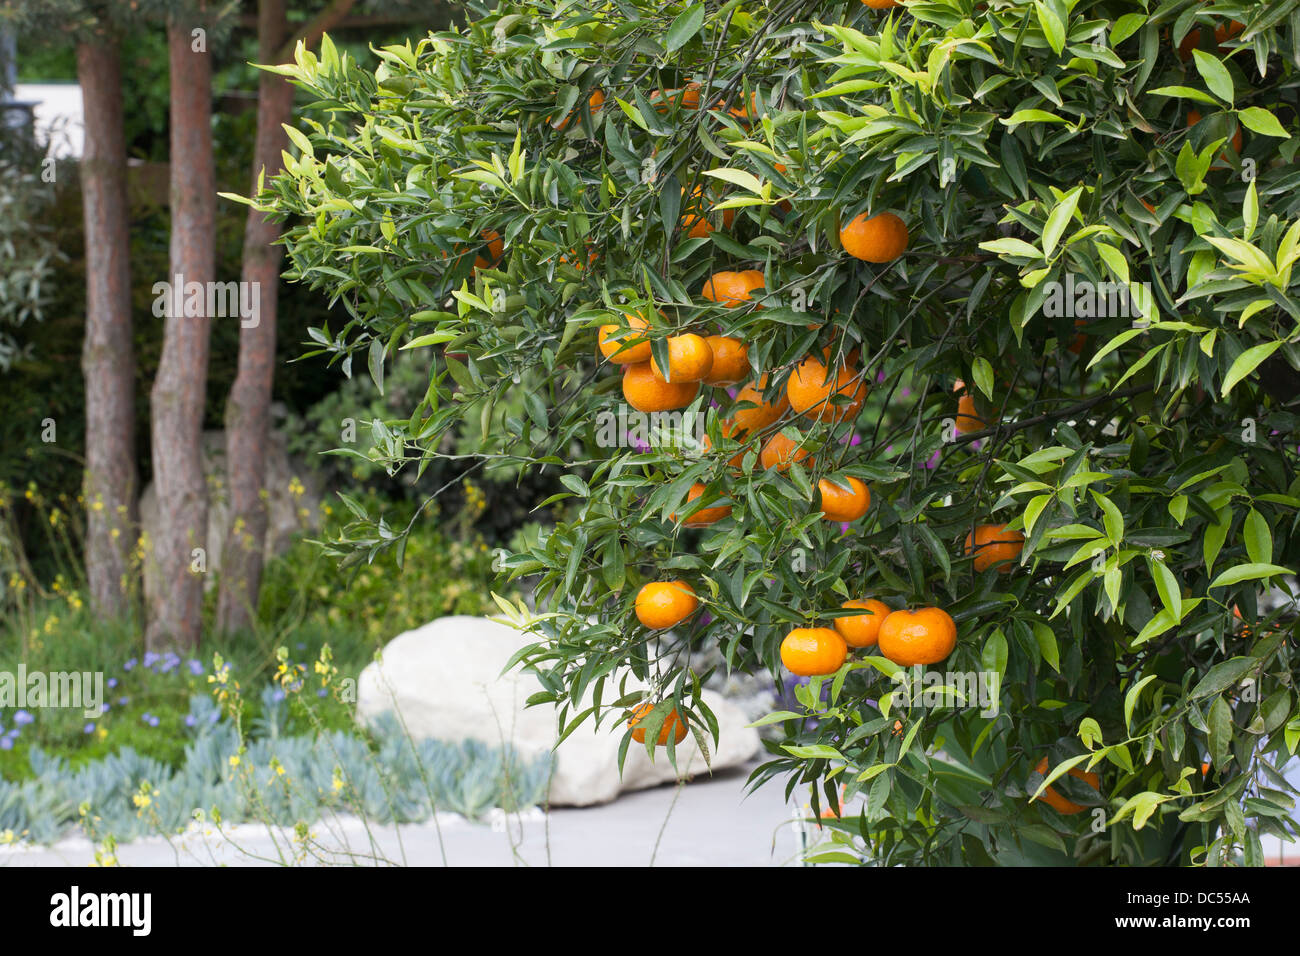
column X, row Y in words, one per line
column 880, row 376
column 933, row 461
column 129, row 665
column 190, row 720
column 322, row 692
column 151, row 658
column 6, row 743
column 22, row 718
column 706, row 619
column 301, row 645
column 277, row 695
column 905, row 392
column 123, row 701
column 196, row 667
column 112, row 682
column 88, row 729
column 150, row 719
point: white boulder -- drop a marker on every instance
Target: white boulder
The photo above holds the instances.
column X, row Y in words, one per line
column 445, row 681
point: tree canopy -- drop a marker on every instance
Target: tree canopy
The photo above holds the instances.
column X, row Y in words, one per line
column 1089, row 345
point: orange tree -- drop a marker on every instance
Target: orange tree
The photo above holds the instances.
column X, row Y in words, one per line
column 984, row 311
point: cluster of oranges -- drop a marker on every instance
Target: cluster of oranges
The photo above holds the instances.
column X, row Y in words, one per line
column 926, row 635
column 816, row 390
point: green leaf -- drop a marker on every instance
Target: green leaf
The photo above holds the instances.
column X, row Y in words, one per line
column 1046, row 639
column 1259, row 540
column 1034, row 509
column 1011, row 246
column 1220, row 725
column 433, row 338
column 1059, row 220
column 1131, row 699
column 1222, row 676
column 737, row 177
column 982, row 372
column 1216, row 76
column 1167, row 586
column 994, row 655
column 1247, row 362
column 686, row 25
column 1184, row 93
column 1259, row 120
column 1052, row 26
column 1247, row 572
column 1030, row 116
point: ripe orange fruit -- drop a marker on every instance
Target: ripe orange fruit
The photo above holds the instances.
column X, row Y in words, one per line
column 673, row 724
column 688, row 97
column 495, row 250
column 732, row 288
column 1194, row 117
column 994, row 545
column 813, row 651
column 844, row 504
column 1059, row 803
column 1080, row 340
column 689, row 359
column 705, row 516
column 879, row 239
column 1222, row 33
column 647, row 392
column 881, row 4
column 730, row 430
column 834, row 811
column 810, row 387
column 730, row 360
column 662, row 604
column 695, row 221
column 923, row 636
column 968, row 419
column 862, row 630
column 763, row 413
column 780, row 452
column 625, row 346
column 596, row 101
column 576, row 262
column 743, row 112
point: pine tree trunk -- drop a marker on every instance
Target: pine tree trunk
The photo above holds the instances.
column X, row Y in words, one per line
column 177, row 400
column 107, row 358
column 248, row 408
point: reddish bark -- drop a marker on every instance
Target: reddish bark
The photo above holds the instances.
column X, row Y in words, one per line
column 107, row 359
column 177, row 400
column 248, row 408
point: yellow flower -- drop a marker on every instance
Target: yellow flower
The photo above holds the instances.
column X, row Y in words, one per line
column 234, row 760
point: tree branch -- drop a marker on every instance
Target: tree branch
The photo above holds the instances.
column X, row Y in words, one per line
column 311, row 32
column 1014, row 427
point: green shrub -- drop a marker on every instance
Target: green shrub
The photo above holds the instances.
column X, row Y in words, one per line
column 1145, row 452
